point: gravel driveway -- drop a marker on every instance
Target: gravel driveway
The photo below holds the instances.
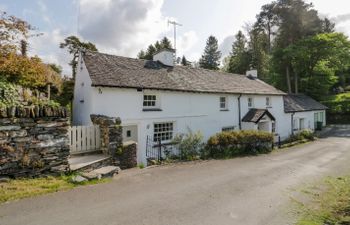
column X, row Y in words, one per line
column 249, row 190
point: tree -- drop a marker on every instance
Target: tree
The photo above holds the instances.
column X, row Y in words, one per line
column 328, row 26
column 297, row 20
column 73, row 44
column 267, row 21
column 211, row 56
column 184, row 61
column 317, row 59
column 239, row 61
column 13, row 31
column 152, row 49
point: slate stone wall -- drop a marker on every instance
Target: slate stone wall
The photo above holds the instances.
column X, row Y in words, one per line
column 111, row 133
column 33, row 141
column 128, row 156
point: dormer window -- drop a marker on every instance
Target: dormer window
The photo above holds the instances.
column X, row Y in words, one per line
column 250, row 102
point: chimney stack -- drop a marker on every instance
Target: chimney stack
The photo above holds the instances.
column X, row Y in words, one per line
column 165, row 56
column 252, row 74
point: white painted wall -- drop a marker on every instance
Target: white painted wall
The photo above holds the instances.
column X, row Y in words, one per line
column 197, row 111
column 82, row 102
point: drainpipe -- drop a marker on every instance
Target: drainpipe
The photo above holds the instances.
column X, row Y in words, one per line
column 292, row 118
column 239, row 112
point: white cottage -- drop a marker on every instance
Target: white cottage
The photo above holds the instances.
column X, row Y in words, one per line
column 157, row 99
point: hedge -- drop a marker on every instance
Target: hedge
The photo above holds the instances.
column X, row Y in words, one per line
column 232, row 143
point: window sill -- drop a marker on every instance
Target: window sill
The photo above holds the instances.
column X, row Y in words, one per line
column 152, row 110
column 268, row 107
column 224, row 110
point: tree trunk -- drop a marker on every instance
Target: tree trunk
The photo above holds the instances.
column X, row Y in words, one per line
column 288, row 80
column 296, row 87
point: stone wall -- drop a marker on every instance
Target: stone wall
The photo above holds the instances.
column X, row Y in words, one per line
column 33, row 141
column 128, row 156
column 111, row 133
column 124, row 154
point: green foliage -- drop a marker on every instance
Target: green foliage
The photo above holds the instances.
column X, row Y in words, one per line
column 9, row 95
column 211, row 56
column 307, row 135
column 240, row 58
column 141, row 165
column 66, row 96
column 153, row 49
column 329, row 204
column 73, row 45
column 190, row 144
column 347, row 88
column 233, row 143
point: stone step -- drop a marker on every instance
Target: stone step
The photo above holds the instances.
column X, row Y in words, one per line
column 106, row 171
column 88, row 163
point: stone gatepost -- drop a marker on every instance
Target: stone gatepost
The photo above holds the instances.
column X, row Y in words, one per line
column 111, row 133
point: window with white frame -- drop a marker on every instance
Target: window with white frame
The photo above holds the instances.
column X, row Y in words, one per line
column 268, row 102
column 250, row 102
column 295, row 124
column 273, row 127
column 149, row 101
column 223, row 103
column 163, row 131
column 301, row 123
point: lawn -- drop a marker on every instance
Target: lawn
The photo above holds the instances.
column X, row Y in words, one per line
column 329, row 205
column 23, row 188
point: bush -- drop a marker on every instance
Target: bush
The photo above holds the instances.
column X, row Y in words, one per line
column 301, row 136
column 347, row 88
column 233, row 143
column 190, row 145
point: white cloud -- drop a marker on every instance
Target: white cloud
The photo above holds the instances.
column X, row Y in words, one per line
column 47, row 48
column 185, row 42
column 226, row 45
column 122, row 27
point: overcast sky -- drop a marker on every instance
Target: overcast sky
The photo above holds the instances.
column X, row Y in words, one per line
column 123, row 27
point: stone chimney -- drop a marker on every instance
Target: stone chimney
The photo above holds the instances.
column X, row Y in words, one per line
column 252, row 74
column 165, row 56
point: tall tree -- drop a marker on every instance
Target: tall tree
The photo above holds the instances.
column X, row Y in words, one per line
column 267, row 21
column 164, row 43
column 211, row 56
column 296, row 20
column 239, row 57
column 317, row 59
column 185, row 62
column 73, row 45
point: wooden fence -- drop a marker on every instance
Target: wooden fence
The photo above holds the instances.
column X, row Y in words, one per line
column 84, row 139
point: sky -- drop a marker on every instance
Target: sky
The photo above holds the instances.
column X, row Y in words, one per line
column 124, row 27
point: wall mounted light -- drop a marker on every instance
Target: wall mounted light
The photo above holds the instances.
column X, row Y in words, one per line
column 100, row 91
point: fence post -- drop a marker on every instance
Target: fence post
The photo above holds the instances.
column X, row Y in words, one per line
column 159, row 150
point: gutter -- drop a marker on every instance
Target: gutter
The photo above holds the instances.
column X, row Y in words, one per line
column 239, row 111
column 292, row 118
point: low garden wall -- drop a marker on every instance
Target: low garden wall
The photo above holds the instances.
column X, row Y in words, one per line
column 33, row 141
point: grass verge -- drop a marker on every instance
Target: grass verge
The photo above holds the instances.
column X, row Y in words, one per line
column 23, row 188
column 329, row 205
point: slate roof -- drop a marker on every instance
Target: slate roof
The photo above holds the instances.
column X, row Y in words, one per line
column 300, row 103
column 255, row 115
column 116, row 71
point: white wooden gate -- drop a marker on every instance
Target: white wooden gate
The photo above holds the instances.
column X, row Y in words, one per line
column 84, row 139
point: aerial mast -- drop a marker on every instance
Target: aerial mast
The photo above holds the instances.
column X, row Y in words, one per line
column 174, row 23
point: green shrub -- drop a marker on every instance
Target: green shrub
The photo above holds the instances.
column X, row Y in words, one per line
column 347, row 88
column 302, row 135
column 190, row 144
column 232, row 143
